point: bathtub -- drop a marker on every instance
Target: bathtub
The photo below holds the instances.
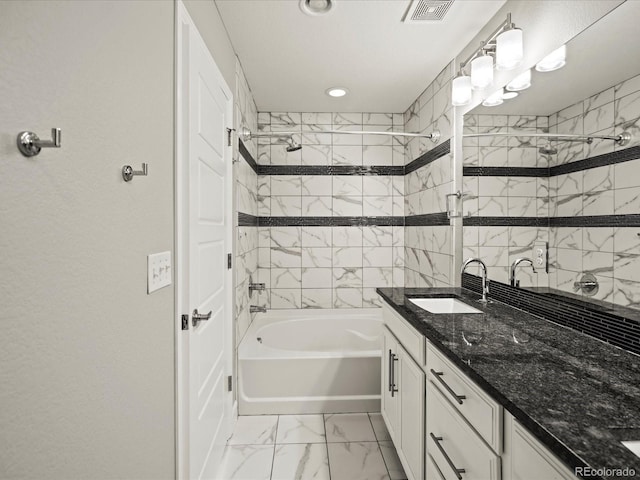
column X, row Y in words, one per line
column 311, row 361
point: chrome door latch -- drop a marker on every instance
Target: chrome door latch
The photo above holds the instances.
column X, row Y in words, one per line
column 199, row 317
column 185, row 322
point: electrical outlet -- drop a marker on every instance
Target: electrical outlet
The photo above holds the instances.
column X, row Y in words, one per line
column 540, row 255
column 158, row 271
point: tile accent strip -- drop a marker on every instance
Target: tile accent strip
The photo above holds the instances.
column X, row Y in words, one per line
column 246, row 220
column 329, row 170
column 426, row 158
column 616, row 325
column 619, row 156
column 330, row 221
column 626, row 155
column 631, row 220
column 505, row 171
column 505, row 221
column 247, row 156
column 427, row 220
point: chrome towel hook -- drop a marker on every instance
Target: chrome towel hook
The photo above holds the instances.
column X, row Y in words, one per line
column 128, row 172
column 30, row 144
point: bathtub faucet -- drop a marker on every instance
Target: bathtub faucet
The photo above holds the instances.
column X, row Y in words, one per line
column 257, row 309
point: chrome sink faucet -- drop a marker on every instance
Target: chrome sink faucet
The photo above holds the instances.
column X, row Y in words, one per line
column 485, row 286
column 512, row 276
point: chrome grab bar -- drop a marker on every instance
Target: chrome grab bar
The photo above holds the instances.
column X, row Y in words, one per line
column 438, row 375
column 457, row 471
column 199, row 317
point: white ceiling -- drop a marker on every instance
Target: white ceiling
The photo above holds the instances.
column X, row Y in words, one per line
column 606, row 53
column 290, row 58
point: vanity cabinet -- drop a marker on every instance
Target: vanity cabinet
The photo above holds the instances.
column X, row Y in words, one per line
column 403, row 397
column 527, row 459
column 464, row 425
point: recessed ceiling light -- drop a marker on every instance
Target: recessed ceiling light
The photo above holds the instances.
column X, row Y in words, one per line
column 316, row 7
column 336, row 91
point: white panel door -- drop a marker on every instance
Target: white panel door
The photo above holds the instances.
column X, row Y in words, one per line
column 205, row 107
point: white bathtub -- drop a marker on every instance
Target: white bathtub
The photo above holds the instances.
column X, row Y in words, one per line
column 311, row 361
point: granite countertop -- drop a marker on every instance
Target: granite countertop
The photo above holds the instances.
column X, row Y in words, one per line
column 580, row 397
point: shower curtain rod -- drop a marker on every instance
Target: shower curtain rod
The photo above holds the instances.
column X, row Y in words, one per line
column 246, row 134
column 622, row 139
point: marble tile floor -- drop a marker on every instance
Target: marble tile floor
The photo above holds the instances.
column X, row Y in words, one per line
column 347, row 446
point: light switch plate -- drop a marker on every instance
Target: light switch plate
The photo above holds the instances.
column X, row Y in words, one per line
column 158, row 271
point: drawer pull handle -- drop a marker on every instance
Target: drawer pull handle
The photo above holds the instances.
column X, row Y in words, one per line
column 390, row 372
column 438, row 375
column 457, row 471
column 393, row 358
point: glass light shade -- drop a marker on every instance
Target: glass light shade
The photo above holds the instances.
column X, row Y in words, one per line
column 509, row 50
column 482, row 72
column 555, row 60
column 509, row 95
column 494, row 99
column 461, row 91
column 521, row 82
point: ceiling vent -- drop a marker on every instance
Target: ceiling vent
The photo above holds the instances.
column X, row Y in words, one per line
column 427, row 10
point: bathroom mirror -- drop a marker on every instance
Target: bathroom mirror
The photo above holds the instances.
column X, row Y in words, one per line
column 571, row 199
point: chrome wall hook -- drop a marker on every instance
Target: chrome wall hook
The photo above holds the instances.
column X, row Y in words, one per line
column 128, row 172
column 30, row 144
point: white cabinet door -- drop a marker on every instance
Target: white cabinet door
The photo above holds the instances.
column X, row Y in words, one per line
column 411, row 386
column 390, row 400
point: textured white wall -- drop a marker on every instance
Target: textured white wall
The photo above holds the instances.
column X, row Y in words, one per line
column 86, row 356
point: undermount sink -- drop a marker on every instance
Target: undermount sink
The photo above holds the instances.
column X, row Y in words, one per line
column 443, row 305
column 634, row 446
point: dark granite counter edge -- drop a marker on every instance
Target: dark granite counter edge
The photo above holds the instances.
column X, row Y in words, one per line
column 554, row 444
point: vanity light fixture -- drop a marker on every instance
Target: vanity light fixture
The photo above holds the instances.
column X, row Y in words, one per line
column 521, row 82
column 482, row 71
column 509, row 49
column 336, row 92
column 555, row 60
column 461, row 90
column 509, row 95
column 505, row 44
column 495, row 99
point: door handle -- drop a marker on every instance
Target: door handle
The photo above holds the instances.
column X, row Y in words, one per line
column 199, row 317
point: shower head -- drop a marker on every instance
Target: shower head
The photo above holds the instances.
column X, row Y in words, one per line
column 548, row 150
column 292, row 146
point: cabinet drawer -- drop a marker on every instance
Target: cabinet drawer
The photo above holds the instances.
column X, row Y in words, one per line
column 455, row 449
column 411, row 340
column 480, row 410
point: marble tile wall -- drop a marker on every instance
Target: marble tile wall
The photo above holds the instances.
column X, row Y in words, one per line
column 330, row 266
column 612, row 254
column 428, row 249
column 246, row 185
column 505, row 196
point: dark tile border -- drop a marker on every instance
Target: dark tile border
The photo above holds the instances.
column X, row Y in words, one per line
column 616, row 325
column 626, row 155
column 505, row 222
column 620, row 156
column 427, row 220
column 505, row 172
column 632, row 220
column 247, row 220
column 330, row 170
column 247, row 156
column 426, row 158
column 330, row 221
